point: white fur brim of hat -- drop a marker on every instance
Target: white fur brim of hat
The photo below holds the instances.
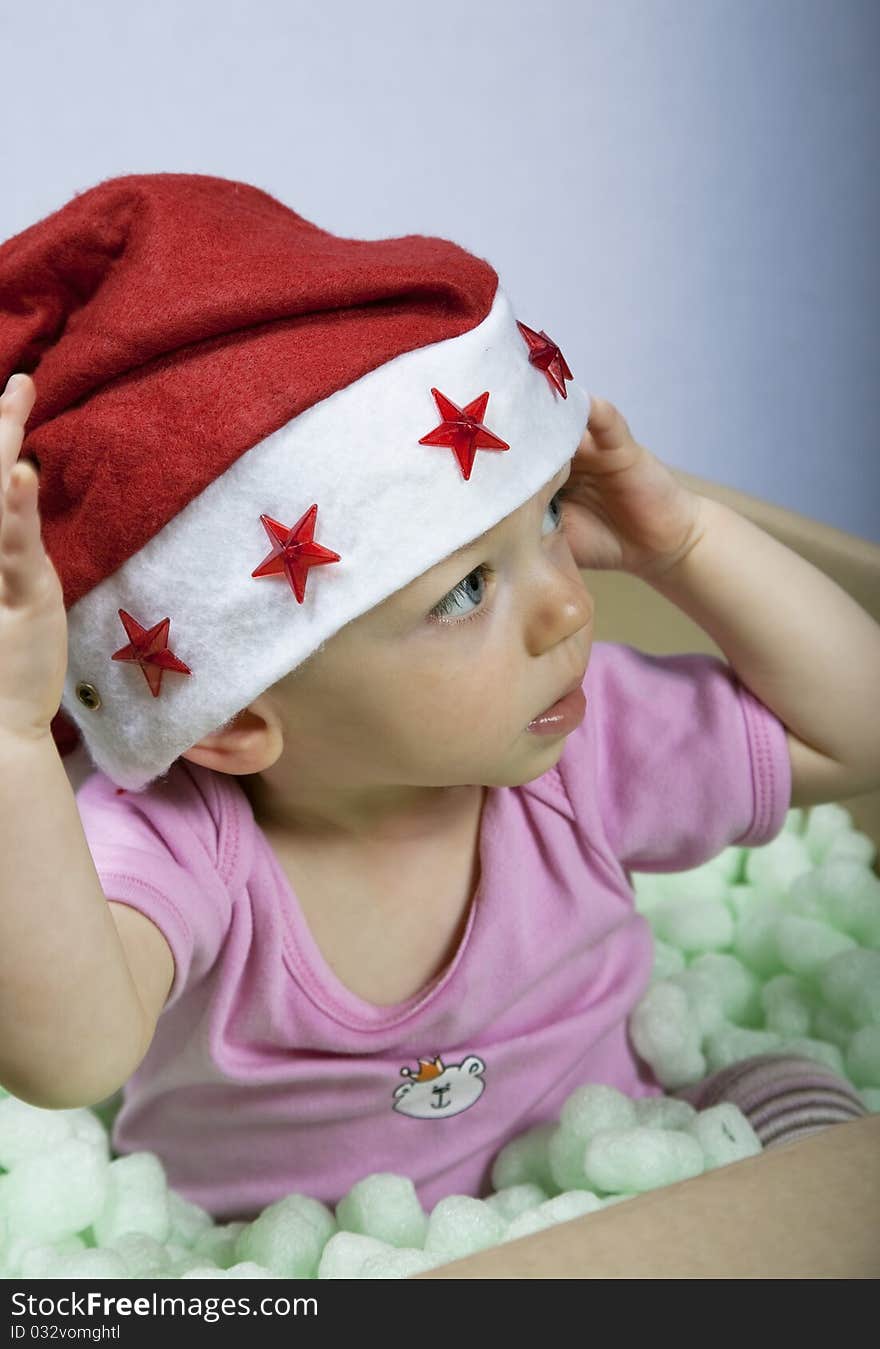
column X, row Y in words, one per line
column 391, row 507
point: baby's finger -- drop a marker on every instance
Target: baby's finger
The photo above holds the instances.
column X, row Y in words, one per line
column 606, row 425
column 21, row 547
column 16, row 405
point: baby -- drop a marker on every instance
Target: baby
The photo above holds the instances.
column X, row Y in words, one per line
column 382, row 918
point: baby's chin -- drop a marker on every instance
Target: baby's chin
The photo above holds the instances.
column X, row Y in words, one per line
column 538, row 754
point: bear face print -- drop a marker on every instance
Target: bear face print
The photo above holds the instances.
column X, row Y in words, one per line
column 440, row 1090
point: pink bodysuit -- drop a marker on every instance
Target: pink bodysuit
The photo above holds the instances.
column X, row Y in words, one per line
column 266, row 1076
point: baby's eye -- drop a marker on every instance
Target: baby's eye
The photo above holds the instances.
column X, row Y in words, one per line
column 448, row 609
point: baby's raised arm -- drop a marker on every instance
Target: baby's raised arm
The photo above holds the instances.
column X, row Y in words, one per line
column 76, row 1015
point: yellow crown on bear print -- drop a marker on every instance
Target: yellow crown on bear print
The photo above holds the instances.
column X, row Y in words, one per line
column 427, row 1070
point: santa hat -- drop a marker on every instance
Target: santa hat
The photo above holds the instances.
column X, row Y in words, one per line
column 249, row 431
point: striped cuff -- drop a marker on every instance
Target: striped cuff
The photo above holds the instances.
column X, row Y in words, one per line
column 783, row 1096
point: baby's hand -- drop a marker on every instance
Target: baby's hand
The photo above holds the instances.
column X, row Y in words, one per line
column 622, row 508
column 33, row 622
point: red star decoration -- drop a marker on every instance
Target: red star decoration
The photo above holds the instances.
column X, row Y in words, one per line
column 149, row 648
column 294, row 551
column 463, row 431
column 544, row 353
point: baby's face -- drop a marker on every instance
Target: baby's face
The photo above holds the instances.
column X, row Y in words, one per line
column 435, row 686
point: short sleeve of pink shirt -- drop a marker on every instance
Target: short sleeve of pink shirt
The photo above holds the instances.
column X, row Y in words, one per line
column 267, row 1076
column 687, row 761
column 161, row 852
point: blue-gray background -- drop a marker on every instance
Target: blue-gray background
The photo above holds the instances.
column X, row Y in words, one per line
column 683, row 193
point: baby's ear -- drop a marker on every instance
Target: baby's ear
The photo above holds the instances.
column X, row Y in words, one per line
column 249, row 743
column 227, row 725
